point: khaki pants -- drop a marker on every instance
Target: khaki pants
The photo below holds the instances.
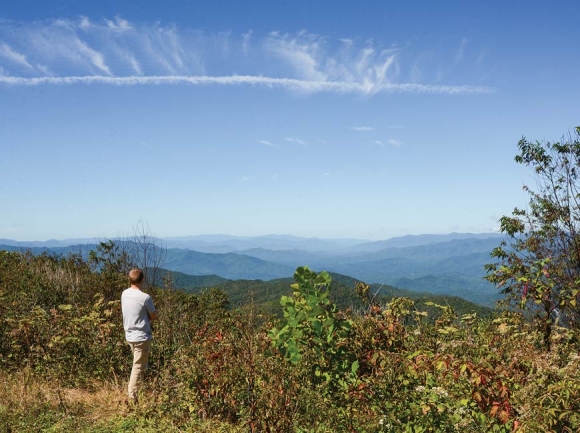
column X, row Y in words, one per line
column 140, row 351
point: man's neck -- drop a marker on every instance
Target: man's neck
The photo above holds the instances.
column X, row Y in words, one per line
column 136, row 286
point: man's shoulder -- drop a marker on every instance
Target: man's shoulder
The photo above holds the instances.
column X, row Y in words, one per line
column 134, row 294
column 127, row 293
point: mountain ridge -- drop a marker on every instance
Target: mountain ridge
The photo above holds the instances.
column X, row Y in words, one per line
column 453, row 265
column 281, row 241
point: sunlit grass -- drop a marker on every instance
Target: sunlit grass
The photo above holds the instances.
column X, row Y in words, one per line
column 29, row 403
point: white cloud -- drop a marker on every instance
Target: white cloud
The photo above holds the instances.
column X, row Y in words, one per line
column 461, row 50
column 93, row 56
column 44, row 69
column 118, row 52
column 62, row 44
column 135, row 64
column 246, row 38
column 119, row 24
column 395, row 142
column 85, row 23
column 416, row 74
column 313, row 58
column 7, row 52
column 379, row 143
column 421, row 65
column 265, row 142
column 295, row 140
column 302, row 52
column 363, row 128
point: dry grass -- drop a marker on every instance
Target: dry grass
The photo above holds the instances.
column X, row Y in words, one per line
column 100, row 404
column 23, row 390
column 26, row 397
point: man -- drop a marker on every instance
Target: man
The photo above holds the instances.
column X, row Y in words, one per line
column 138, row 312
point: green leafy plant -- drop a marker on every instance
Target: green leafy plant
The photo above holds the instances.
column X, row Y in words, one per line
column 311, row 324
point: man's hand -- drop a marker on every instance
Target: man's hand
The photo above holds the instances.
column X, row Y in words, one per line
column 153, row 316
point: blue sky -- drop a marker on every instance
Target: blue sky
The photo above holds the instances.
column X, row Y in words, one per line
column 331, row 118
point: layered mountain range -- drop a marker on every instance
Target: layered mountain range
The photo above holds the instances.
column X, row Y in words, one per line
column 450, row 264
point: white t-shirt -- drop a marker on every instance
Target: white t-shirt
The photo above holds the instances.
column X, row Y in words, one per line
column 136, row 306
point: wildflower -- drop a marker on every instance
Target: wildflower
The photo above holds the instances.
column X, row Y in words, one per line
column 463, row 410
column 440, row 391
column 420, row 388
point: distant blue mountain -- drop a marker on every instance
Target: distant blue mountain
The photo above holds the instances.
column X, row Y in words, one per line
column 225, row 243
column 231, row 266
column 82, row 249
column 422, row 240
column 51, row 243
column 444, row 264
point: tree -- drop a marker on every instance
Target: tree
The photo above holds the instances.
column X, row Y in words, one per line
column 147, row 253
column 141, row 249
column 112, row 263
column 539, row 263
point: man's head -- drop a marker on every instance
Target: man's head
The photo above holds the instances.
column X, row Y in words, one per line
column 135, row 276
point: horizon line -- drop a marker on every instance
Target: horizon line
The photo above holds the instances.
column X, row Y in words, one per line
column 97, row 238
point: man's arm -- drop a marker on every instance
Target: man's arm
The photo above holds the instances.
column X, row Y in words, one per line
column 151, row 311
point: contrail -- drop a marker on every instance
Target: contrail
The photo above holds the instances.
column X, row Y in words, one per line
column 287, row 83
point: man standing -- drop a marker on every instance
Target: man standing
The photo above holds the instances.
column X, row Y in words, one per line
column 138, row 312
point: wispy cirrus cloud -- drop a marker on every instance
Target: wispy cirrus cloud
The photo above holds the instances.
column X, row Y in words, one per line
column 461, row 50
column 302, row 53
column 8, row 53
column 363, row 128
column 246, row 39
column 295, row 140
column 266, row 143
column 391, row 141
column 123, row 53
column 394, row 142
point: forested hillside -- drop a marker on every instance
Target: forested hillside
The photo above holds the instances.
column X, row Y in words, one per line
column 266, row 294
